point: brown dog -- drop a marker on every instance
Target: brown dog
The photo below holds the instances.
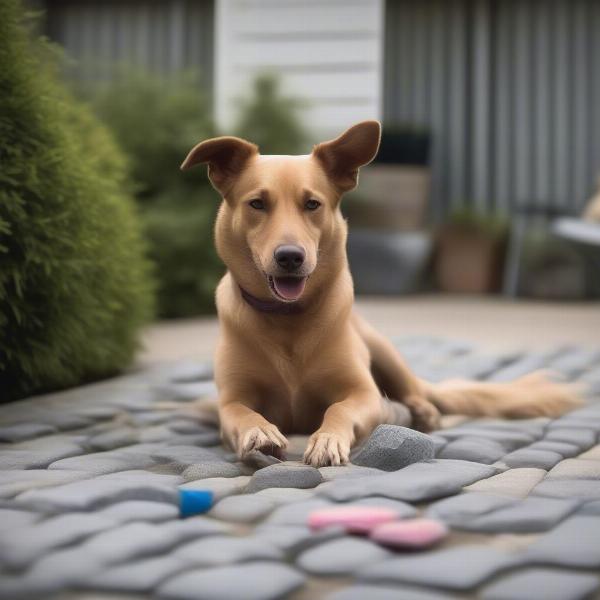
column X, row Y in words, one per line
column 293, row 357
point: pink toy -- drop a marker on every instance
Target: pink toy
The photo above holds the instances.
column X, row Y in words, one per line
column 355, row 519
column 410, row 534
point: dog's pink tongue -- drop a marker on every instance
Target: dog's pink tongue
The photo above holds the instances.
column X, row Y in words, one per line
column 290, row 288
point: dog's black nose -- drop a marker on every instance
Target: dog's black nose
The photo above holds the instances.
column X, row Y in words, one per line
column 289, row 257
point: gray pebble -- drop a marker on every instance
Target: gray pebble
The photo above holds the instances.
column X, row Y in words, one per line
column 584, row 489
column 419, row 481
column 460, row 509
column 296, row 513
column 573, row 543
column 219, row 486
column 549, row 584
column 582, row 438
column 286, row 495
column 515, row 482
column 111, row 439
column 14, row 482
column 391, row 447
column 181, row 457
column 563, row 448
column 24, row 431
column 531, row 515
column 476, row 450
column 294, row 539
column 103, row 490
column 253, row 581
column 285, row 476
column 349, row 471
column 508, row 439
column 245, row 508
column 136, row 540
column 381, row 592
column 458, row 568
column 11, row 518
column 218, row 551
column 38, row 539
column 526, row 457
column 101, row 463
column 38, row 458
column 343, row 556
column 576, row 469
column 211, row 469
column 140, row 510
column 137, row 576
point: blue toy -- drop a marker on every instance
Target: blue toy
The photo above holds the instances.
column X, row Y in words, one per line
column 194, row 502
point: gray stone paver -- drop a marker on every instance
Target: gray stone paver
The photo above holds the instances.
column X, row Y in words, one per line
column 549, row 584
column 574, row 543
column 90, row 481
column 341, row 556
column 461, row 568
column 254, row 581
column 515, row 482
column 381, row 592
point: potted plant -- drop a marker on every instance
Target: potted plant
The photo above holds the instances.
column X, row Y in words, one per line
column 470, row 253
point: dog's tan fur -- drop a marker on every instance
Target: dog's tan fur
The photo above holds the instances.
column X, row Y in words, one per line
column 322, row 370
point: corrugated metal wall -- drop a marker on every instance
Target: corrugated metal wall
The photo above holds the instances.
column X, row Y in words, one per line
column 510, row 91
column 157, row 35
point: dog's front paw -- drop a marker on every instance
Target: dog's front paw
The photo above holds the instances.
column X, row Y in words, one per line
column 425, row 416
column 326, row 449
column 265, row 438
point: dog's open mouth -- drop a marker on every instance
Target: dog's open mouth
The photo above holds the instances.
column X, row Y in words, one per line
column 288, row 289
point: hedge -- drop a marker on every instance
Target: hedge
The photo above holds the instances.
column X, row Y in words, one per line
column 75, row 286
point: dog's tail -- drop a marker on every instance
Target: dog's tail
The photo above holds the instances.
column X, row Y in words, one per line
column 534, row 395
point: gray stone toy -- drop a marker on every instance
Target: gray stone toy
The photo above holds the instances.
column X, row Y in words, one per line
column 392, row 447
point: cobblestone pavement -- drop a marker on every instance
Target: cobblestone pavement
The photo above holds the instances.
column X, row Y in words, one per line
column 90, row 480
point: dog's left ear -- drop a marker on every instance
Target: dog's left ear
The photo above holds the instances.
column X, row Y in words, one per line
column 226, row 157
column 341, row 158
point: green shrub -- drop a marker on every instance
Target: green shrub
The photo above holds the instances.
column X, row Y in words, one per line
column 181, row 244
column 74, row 283
column 157, row 123
column 272, row 120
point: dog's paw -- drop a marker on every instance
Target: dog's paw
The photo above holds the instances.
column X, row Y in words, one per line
column 325, row 449
column 265, row 438
column 425, row 416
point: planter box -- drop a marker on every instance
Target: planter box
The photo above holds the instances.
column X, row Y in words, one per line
column 468, row 261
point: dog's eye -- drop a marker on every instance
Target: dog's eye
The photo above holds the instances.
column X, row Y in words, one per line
column 257, row 203
column 312, row 204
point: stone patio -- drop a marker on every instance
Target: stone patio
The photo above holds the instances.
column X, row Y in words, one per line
column 90, row 480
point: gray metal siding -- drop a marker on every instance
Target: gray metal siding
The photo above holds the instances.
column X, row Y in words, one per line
column 510, row 91
column 156, row 35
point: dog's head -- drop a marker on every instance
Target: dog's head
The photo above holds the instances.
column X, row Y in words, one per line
column 280, row 227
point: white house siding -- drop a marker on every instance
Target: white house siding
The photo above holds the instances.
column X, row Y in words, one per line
column 328, row 52
column 510, row 91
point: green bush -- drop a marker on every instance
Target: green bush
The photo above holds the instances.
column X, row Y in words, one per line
column 157, row 123
column 74, row 284
column 272, row 120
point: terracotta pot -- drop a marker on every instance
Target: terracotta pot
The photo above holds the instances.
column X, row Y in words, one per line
column 468, row 260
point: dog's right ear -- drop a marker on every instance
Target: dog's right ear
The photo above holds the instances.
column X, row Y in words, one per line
column 225, row 156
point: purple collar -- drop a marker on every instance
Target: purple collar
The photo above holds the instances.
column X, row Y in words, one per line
column 271, row 307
